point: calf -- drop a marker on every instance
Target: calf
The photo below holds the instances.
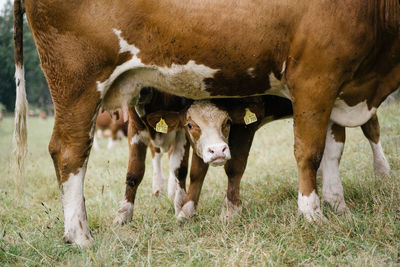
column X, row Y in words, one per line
column 209, row 137
column 267, row 109
column 114, row 123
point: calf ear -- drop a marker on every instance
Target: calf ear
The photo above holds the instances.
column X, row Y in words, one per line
column 170, row 118
column 246, row 113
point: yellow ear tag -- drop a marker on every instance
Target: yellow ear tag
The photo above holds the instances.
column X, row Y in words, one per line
column 249, row 117
column 162, row 126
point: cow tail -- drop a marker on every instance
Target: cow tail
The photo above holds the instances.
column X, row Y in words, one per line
column 21, row 104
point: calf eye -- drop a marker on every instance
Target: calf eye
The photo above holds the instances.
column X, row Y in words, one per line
column 229, row 122
column 190, row 126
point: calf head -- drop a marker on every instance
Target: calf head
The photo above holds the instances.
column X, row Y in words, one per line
column 206, row 125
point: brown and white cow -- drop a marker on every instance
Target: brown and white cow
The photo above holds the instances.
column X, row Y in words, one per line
column 334, row 59
column 113, row 123
column 209, row 139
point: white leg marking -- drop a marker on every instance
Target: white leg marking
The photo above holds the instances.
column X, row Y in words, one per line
column 75, row 221
column 187, row 211
column 332, row 189
column 158, row 177
column 125, row 213
column 111, row 143
column 229, row 210
column 175, row 161
column 141, row 136
column 381, row 166
column 179, row 197
column 309, row 207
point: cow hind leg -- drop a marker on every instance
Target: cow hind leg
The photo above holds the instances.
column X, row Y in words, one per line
column 69, row 147
column 371, row 130
column 332, row 189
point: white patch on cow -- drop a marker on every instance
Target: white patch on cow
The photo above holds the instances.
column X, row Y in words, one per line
column 351, row 116
column 99, row 133
column 381, row 166
column 332, row 189
column 175, row 161
column 141, row 136
column 158, row 177
column 278, row 88
column 111, row 143
column 309, row 206
column 229, row 210
column 187, row 211
column 75, row 222
column 183, row 80
column 125, row 213
column 179, row 197
column 250, row 72
column 283, row 67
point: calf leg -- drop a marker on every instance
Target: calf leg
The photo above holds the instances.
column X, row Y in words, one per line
column 240, row 140
column 136, row 169
column 198, row 172
column 332, row 189
column 69, row 147
column 158, row 177
column 178, row 164
column 371, row 130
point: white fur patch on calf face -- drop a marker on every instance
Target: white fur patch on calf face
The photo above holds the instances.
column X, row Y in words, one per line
column 125, row 213
column 212, row 145
column 309, row 207
column 75, row 222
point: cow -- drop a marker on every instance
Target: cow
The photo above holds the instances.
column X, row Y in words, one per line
column 336, row 60
column 110, row 122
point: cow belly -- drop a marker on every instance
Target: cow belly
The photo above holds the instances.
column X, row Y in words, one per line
column 351, row 116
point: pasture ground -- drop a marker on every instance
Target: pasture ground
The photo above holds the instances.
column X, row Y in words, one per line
column 268, row 231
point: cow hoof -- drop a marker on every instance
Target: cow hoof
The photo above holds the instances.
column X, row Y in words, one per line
column 79, row 238
column 188, row 210
column 229, row 211
column 309, row 207
column 382, row 174
column 337, row 204
column 124, row 214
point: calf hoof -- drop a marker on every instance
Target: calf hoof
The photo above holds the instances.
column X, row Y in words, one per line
column 229, row 211
column 337, row 203
column 309, row 207
column 180, row 195
column 124, row 213
column 81, row 238
column 188, row 210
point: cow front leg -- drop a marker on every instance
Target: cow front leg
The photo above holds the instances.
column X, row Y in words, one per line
column 69, row 147
column 240, row 140
column 136, row 169
column 332, row 189
column 371, row 130
column 198, row 172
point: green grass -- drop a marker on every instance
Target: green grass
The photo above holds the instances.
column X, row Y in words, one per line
column 268, row 231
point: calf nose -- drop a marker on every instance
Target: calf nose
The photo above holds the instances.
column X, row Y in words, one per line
column 218, row 154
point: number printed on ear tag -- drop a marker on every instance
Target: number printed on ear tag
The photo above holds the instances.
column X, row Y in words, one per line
column 249, row 117
column 162, row 126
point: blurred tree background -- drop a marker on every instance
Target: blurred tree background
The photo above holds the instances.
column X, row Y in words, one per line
column 36, row 86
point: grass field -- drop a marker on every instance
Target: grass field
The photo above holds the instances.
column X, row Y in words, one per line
column 268, row 231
